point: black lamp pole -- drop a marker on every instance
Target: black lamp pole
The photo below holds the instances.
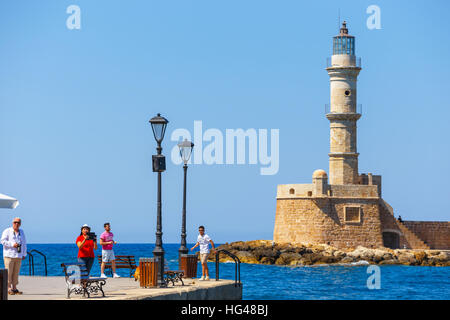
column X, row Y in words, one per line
column 183, row 249
column 158, row 252
column 159, row 165
column 185, row 153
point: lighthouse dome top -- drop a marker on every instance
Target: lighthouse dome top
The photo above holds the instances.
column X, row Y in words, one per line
column 344, row 43
column 343, row 32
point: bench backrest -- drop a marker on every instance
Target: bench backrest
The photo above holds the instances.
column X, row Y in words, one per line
column 71, row 269
column 121, row 261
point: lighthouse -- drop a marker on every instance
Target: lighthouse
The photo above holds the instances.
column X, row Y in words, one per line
column 343, row 70
column 345, row 208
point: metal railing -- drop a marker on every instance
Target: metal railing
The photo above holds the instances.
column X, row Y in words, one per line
column 329, row 64
column 31, row 261
column 358, row 108
column 237, row 266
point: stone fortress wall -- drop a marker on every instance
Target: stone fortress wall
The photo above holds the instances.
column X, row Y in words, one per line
column 435, row 234
column 347, row 216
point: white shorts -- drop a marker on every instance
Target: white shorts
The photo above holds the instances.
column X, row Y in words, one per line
column 108, row 255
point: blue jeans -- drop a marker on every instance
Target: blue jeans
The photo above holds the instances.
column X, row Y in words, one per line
column 88, row 262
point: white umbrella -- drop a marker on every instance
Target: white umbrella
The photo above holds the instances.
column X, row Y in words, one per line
column 8, row 202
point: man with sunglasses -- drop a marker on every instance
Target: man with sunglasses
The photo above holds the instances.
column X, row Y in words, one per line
column 203, row 240
column 14, row 251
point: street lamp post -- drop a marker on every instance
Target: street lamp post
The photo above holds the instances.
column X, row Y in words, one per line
column 185, row 153
column 159, row 125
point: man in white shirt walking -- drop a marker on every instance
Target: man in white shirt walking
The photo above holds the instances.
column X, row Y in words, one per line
column 14, row 251
column 203, row 240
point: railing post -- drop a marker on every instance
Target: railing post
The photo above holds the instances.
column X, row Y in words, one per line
column 235, row 273
column 237, row 267
column 32, row 262
column 45, row 262
column 239, row 272
column 217, row 265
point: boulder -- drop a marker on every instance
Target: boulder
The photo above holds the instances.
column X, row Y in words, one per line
column 421, row 257
column 389, row 261
column 246, row 257
column 380, row 255
column 432, row 252
column 347, row 259
column 260, row 253
column 339, row 254
column 305, row 260
column 256, row 244
column 285, row 247
column 407, row 258
column 240, row 246
column 287, row 257
column 267, row 260
column 441, row 259
column 362, row 253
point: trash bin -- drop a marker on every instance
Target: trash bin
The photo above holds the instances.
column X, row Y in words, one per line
column 188, row 264
column 148, row 272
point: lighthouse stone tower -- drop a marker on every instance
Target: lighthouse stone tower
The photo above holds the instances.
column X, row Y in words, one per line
column 343, row 115
column 343, row 209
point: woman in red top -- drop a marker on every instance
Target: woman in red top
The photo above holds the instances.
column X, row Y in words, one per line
column 86, row 248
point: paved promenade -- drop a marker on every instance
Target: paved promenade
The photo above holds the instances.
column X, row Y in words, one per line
column 54, row 288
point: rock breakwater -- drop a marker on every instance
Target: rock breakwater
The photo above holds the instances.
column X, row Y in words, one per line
column 268, row 252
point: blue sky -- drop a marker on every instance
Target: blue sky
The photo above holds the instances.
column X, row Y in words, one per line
column 74, row 109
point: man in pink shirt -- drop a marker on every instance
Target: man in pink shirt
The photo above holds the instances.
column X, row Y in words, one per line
column 107, row 242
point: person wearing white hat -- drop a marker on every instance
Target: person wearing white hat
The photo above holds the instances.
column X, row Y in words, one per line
column 14, row 251
column 86, row 247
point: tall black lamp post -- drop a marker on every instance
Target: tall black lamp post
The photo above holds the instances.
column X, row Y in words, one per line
column 185, row 153
column 159, row 125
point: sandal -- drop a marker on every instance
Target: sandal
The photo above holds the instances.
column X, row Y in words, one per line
column 11, row 292
column 17, row 292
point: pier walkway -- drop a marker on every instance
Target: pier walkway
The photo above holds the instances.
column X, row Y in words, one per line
column 54, row 288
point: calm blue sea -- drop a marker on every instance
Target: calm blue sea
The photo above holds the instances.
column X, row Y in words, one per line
column 277, row 282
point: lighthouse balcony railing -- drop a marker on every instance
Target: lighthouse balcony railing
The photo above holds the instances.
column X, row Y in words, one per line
column 329, row 63
column 328, row 109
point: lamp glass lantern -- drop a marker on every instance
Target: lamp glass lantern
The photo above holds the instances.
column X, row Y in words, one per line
column 159, row 125
column 185, row 150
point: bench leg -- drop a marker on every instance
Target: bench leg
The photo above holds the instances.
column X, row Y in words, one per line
column 101, row 289
column 85, row 291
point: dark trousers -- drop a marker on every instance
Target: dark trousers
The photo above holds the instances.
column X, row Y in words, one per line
column 88, row 262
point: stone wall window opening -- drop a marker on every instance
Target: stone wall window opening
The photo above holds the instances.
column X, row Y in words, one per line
column 352, row 214
column 309, row 193
column 348, row 93
column 291, row 191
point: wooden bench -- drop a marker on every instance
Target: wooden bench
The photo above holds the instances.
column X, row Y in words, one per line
column 122, row 262
column 79, row 282
column 172, row 275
